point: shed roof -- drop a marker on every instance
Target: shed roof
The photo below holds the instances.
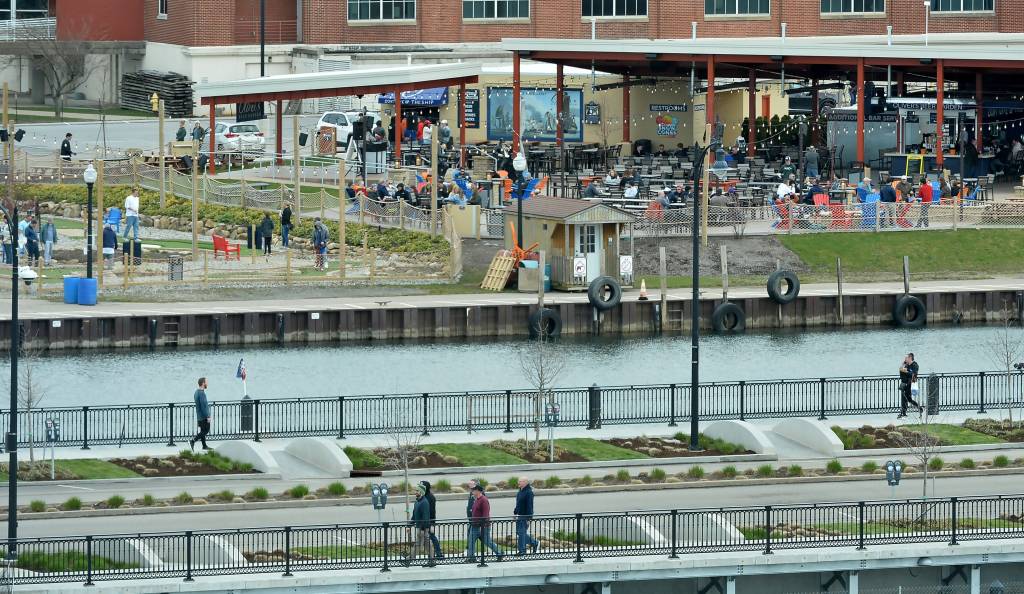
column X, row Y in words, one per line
column 337, row 83
column 574, row 210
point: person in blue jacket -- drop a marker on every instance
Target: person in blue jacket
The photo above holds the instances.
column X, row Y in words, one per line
column 524, row 513
column 421, row 524
column 202, row 416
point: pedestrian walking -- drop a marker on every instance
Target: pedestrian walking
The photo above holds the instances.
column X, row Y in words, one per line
column 31, row 242
column 320, row 238
column 23, row 224
column 524, row 513
column 286, row 223
column 131, row 212
column 5, row 241
column 49, row 235
column 438, row 553
column 202, row 416
column 421, row 524
column 908, row 385
column 470, row 543
column 109, row 246
column 65, row 148
column 182, row 133
column 267, row 232
column 480, row 526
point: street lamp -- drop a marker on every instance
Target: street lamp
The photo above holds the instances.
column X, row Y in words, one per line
column 927, row 12
column 12, row 432
column 89, row 175
column 718, row 130
column 519, row 164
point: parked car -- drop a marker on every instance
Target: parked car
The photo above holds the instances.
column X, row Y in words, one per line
column 341, row 121
column 240, row 138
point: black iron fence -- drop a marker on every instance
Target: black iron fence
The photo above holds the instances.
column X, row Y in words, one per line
column 591, row 407
column 575, row 537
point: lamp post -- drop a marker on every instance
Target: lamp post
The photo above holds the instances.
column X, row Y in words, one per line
column 12, row 432
column 927, row 12
column 519, row 164
column 89, row 175
column 263, row 37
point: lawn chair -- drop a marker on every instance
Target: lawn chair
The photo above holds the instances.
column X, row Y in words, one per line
column 221, row 244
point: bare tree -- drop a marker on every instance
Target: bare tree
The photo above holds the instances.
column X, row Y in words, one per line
column 402, row 449
column 31, row 391
column 1005, row 348
column 921, row 444
column 542, row 364
column 62, row 62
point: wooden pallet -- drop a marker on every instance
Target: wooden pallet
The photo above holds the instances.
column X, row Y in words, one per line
column 499, row 272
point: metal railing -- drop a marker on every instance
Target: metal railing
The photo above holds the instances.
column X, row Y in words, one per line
column 570, row 537
column 506, row 410
column 28, row 29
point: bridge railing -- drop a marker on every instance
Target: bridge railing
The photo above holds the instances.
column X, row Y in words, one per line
column 590, row 407
column 570, row 537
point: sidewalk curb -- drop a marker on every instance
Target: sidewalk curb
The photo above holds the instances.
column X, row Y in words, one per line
column 159, row 479
column 952, row 449
column 545, row 467
column 500, row 494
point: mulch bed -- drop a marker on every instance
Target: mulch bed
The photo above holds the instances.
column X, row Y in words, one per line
column 657, row 447
column 171, row 466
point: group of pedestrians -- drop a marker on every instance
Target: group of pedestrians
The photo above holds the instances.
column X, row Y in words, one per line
column 478, row 513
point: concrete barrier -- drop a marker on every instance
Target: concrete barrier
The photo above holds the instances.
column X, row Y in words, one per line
column 699, row 527
column 742, row 433
column 322, row 453
column 130, row 551
column 249, row 452
column 812, row 434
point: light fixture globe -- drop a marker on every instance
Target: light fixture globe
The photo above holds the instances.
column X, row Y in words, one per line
column 89, row 175
column 519, row 163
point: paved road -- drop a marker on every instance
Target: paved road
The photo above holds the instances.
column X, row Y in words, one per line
column 39, row 309
column 545, row 504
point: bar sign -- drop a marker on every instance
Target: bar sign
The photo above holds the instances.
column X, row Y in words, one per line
column 248, row 112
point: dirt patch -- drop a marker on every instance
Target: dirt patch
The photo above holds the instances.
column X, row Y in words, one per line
column 521, row 449
column 477, row 254
column 197, row 465
column 747, row 256
column 867, row 437
column 657, row 447
column 422, row 459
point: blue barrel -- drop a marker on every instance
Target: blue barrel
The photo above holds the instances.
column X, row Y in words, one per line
column 71, row 289
column 87, row 291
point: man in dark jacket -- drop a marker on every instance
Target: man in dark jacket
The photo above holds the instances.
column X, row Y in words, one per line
column 438, row 553
column 109, row 246
column 480, row 524
column 203, row 416
column 320, row 238
column 286, row 223
column 267, row 232
column 65, row 148
column 470, row 544
column 421, row 524
column 524, row 513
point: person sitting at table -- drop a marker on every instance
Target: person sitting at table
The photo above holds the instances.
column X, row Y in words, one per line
column 383, row 191
column 785, row 191
column 680, row 151
column 738, row 156
column 630, row 190
column 455, row 195
column 677, row 195
column 863, row 190
column 593, row 190
column 629, row 177
column 903, row 189
column 663, row 199
column 814, row 190
column 718, row 198
column 661, row 152
column 612, row 180
column 945, row 191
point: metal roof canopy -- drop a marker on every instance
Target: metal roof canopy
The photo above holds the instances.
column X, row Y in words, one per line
column 802, row 57
column 287, row 87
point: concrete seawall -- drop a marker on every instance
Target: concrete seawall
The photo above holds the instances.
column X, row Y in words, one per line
column 119, row 325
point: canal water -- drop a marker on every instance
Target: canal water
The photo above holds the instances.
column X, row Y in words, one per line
column 144, row 377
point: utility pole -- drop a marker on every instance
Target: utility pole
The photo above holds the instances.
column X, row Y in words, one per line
column 15, row 333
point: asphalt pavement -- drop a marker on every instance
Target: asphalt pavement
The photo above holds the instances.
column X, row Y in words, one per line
column 715, row 497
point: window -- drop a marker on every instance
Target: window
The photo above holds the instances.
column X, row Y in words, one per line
column 736, row 7
column 963, row 5
column 614, row 8
column 853, row 6
column 161, row 8
column 26, row 9
column 495, row 9
column 381, row 10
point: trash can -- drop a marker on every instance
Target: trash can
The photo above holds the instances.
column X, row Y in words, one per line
column 245, row 415
column 175, row 268
column 71, row 289
column 87, row 291
column 594, row 400
column 933, row 395
column 126, row 249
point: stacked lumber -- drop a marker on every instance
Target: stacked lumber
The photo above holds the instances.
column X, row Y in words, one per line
column 174, row 89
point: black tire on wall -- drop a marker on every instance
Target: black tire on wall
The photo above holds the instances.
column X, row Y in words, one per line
column 729, row 318
column 775, row 286
column 909, row 312
column 604, row 293
column 545, row 321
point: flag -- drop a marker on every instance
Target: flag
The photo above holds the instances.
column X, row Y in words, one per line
column 240, row 373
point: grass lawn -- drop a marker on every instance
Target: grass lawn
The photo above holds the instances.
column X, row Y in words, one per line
column 62, row 223
column 362, row 459
column 471, row 454
column 86, row 469
column 64, row 562
column 966, row 250
column 591, row 449
column 955, row 434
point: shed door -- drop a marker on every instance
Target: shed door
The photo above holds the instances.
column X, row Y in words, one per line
column 588, row 245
